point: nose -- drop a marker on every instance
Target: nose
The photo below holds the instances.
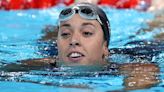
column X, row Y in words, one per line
column 74, row 43
column 75, row 40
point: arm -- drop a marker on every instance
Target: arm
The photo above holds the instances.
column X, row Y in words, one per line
column 30, row 64
column 139, row 75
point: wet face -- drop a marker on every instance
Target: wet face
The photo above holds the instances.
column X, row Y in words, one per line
column 81, row 42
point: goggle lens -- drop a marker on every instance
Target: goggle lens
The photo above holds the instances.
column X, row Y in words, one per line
column 84, row 11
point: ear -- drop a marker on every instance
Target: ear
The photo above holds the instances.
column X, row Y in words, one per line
column 105, row 49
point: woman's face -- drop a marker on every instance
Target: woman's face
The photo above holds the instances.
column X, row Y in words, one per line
column 81, row 42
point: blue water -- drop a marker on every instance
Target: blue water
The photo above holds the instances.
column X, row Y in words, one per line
column 20, row 32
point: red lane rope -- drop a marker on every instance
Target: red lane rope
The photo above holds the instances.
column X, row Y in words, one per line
column 41, row 4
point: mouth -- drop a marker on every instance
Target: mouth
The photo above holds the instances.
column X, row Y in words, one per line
column 75, row 56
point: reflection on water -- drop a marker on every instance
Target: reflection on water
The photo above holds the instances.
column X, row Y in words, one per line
column 22, row 37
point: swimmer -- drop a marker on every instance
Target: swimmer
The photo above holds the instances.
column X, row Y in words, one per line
column 83, row 40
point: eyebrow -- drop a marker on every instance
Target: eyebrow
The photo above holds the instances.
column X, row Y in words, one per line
column 88, row 23
column 83, row 24
column 65, row 25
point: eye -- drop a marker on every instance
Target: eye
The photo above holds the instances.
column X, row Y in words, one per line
column 87, row 34
column 65, row 34
column 88, row 30
column 65, row 31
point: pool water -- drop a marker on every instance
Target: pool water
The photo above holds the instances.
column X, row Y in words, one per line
column 20, row 35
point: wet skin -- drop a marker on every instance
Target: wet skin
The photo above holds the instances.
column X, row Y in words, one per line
column 81, row 42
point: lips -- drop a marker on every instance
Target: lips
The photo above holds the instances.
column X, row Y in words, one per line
column 75, row 56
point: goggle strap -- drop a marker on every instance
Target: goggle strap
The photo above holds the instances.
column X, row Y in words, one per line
column 98, row 18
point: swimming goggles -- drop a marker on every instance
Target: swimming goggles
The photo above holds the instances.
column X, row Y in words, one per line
column 84, row 11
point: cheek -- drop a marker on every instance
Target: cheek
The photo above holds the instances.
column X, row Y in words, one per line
column 95, row 48
column 61, row 47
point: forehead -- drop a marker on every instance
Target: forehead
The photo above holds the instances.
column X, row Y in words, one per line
column 78, row 20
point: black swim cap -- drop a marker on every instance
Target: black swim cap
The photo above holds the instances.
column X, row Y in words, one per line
column 103, row 17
